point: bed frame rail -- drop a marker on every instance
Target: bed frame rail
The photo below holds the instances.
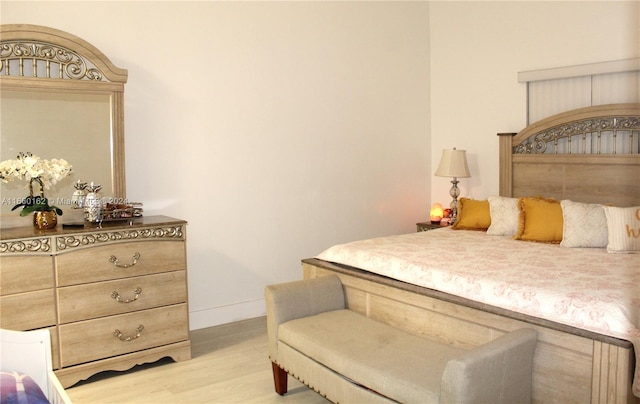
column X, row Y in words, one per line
column 568, row 367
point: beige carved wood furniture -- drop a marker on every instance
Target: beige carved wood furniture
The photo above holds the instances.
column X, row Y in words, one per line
column 112, row 297
column 589, row 155
column 571, row 365
column 61, row 98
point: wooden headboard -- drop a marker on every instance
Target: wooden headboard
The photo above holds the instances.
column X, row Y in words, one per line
column 588, row 155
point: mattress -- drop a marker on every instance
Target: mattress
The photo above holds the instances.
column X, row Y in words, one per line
column 586, row 288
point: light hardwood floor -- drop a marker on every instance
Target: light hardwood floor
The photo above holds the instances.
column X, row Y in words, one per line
column 229, row 364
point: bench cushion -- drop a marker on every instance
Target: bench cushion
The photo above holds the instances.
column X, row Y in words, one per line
column 394, row 363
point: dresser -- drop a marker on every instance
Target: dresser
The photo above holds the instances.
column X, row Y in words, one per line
column 113, row 297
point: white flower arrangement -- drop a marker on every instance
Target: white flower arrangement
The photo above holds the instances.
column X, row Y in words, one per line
column 28, row 166
column 31, row 168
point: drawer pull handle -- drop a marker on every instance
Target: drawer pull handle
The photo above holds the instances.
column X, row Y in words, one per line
column 121, row 336
column 115, row 295
column 134, row 259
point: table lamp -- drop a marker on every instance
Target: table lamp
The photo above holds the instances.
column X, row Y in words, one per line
column 453, row 163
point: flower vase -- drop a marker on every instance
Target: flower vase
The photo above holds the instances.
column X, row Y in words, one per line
column 45, row 220
column 42, row 173
column 42, row 219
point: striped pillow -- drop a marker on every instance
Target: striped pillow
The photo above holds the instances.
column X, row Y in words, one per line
column 623, row 225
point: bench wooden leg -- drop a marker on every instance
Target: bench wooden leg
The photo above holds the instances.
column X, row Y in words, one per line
column 279, row 379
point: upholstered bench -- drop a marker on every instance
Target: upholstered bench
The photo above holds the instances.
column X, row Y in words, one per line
column 348, row 357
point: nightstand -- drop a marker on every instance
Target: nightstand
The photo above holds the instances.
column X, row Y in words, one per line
column 426, row 226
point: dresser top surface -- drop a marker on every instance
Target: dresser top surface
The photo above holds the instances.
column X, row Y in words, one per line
column 145, row 221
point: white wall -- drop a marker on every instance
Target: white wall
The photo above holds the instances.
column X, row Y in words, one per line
column 477, row 49
column 280, row 128
column 275, row 128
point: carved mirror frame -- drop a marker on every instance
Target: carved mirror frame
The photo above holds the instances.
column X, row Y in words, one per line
column 35, row 58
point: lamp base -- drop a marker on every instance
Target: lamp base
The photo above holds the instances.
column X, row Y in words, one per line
column 454, row 192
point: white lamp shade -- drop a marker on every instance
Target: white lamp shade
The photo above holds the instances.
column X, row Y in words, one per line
column 453, row 163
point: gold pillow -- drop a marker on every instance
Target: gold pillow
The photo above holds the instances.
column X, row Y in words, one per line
column 540, row 220
column 472, row 215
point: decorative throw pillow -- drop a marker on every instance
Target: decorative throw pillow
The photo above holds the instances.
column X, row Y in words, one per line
column 540, row 220
column 623, row 225
column 472, row 215
column 20, row 388
column 504, row 216
column 585, row 225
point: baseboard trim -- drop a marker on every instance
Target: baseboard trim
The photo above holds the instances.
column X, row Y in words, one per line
column 214, row 316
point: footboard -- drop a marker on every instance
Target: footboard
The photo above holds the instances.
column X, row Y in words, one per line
column 570, row 365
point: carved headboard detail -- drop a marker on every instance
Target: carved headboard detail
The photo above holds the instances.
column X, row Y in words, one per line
column 588, row 155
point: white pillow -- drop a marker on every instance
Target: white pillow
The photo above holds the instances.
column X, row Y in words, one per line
column 504, row 216
column 623, row 225
column 585, row 225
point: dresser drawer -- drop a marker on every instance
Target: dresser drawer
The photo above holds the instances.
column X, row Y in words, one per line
column 100, row 299
column 24, row 274
column 26, row 311
column 96, row 339
column 117, row 261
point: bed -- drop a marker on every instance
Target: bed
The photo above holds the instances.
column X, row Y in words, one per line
column 27, row 374
column 580, row 289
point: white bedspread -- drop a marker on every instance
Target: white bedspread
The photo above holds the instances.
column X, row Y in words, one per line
column 581, row 287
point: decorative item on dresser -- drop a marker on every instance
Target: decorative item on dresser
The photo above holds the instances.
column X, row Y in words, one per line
column 92, row 203
column 43, row 173
column 112, row 297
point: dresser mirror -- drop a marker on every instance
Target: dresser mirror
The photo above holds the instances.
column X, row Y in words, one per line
column 60, row 98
